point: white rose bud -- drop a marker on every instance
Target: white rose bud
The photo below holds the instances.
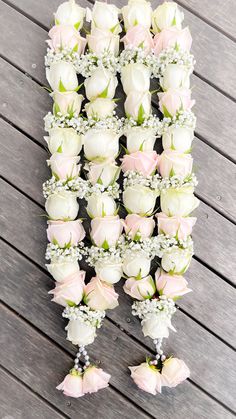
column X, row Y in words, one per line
column 135, row 77
column 67, row 103
column 176, row 260
column 178, row 138
column 100, row 40
column 138, row 106
column 136, row 264
column 100, row 205
column 62, row 206
column 62, row 76
column 64, row 140
column 105, row 16
column 108, row 272
column 100, row 108
column 139, row 199
column 175, row 76
column 80, row 333
column 139, row 138
column 100, row 144
column 178, row 201
column 64, row 167
column 101, row 83
column 137, row 12
column 157, row 325
column 104, row 173
column 167, row 15
column 70, row 13
column 61, row 270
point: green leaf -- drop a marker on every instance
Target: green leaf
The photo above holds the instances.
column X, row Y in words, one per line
column 114, row 27
column 173, row 23
column 70, row 303
column 61, row 87
column 59, row 150
column 57, row 22
column 103, row 212
column 172, row 173
column 105, row 245
column 75, row 49
column 141, row 45
column 137, row 237
column 139, row 276
column 105, row 92
column 99, row 181
column 141, row 115
column 56, row 108
column 166, row 112
column 77, row 25
column 79, row 87
column 141, row 146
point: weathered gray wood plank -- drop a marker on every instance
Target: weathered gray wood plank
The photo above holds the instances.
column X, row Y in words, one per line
column 216, row 127
column 42, row 365
column 205, row 342
column 121, row 348
column 221, row 14
column 18, row 402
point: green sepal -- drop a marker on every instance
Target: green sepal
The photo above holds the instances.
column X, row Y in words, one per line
column 59, row 150
column 77, row 25
column 105, row 245
column 61, row 87
column 166, row 112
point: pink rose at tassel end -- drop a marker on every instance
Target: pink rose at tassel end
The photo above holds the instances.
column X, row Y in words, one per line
column 72, row 385
column 95, row 379
column 174, row 372
column 147, row 378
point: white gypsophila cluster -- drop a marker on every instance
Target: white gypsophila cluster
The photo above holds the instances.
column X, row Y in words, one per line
column 152, row 122
column 184, row 119
column 156, row 182
column 67, row 254
column 65, row 54
column 151, row 246
column 83, row 188
column 171, row 55
column 84, row 314
column 82, row 125
column 162, row 305
column 64, row 121
column 98, row 254
column 90, row 62
column 78, row 185
column 132, row 55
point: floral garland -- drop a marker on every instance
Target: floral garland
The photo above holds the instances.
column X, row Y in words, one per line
column 98, row 132
column 96, row 128
column 166, row 57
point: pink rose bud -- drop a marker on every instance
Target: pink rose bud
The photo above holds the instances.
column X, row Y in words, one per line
column 105, row 172
column 67, row 103
column 105, row 231
column 144, row 162
column 66, row 37
column 173, row 286
column 140, row 289
column 95, row 379
column 174, row 100
column 64, row 167
column 100, row 295
column 72, row 385
column 172, row 37
column 138, row 36
column 138, row 227
column 174, row 372
column 70, row 290
column 173, row 163
column 65, row 233
column 147, row 378
column 175, row 226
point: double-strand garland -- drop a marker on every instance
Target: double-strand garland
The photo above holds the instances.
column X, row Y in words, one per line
column 166, row 57
column 97, row 129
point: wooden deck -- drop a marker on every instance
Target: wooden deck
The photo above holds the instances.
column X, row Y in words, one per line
column 34, row 352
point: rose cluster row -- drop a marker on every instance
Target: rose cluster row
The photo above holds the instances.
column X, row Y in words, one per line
column 99, row 135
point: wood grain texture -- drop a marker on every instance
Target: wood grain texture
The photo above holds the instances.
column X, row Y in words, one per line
column 121, row 347
column 200, row 343
column 42, row 366
column 219, row 13
column 214, row 125
column 24, row 401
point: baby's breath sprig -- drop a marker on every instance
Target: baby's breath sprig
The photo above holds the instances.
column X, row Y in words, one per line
column 84, row 314
column 67, row 254
column 154, row 306
column 156, row 182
